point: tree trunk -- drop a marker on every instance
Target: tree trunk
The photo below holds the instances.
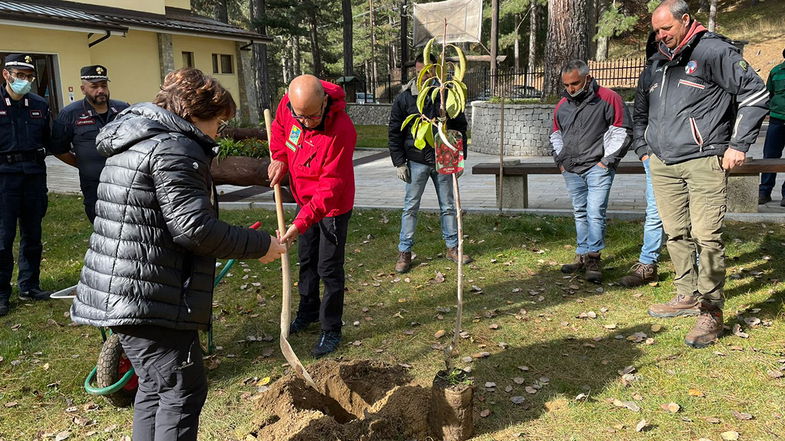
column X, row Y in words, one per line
column 261, row 69
column 494, row 43
column 221, row 11
column 374, row 69
column 568, row 38
column 602, row 49
column 298, row 65
column 404, row 43
column 601, row 45
column 703, row 5
column 712, row 15
column 348, row 55
column 517, row 48
column 313, row 22
column 533, row 23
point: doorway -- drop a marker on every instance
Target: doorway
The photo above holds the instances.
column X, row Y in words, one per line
column 45, row 84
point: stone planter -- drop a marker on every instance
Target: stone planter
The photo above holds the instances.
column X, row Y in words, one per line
column 450, row 416
column 527, row 128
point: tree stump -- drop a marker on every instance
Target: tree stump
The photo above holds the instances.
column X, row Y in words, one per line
column 450, row 416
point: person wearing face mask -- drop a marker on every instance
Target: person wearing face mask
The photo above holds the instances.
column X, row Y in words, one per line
column 313, row 140
column 77, row 125
column 591, row 133
column 705, row 108
column 24, row 137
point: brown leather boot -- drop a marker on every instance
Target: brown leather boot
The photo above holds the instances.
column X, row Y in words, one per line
column 679, row 305
column 575, row 266
column 640, row 274
column 593, row 264
column 452, row 254
column 404, row 263
column 707, row 329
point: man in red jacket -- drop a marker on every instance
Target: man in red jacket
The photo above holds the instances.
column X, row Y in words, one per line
column 313, row 140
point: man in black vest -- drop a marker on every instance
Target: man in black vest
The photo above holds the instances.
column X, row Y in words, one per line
column 75, row 129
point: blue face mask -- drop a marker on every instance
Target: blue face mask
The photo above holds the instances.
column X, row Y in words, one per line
column 21, row 87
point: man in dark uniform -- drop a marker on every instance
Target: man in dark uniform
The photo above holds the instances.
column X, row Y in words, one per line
column 75, row 129
column 24, row 135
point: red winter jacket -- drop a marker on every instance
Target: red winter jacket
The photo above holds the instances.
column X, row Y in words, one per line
column 319, row 160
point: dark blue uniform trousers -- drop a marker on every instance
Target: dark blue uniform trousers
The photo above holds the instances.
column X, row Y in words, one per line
column 172, row 381
column 23, row 201
column 321, row 249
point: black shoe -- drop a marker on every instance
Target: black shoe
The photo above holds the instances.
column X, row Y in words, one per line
column 328, row 342
column 782, row 202
column 299, row 324
column 763, row 198
column 35, row 294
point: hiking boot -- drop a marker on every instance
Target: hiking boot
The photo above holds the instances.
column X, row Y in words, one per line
column 576, row 266
column 782, row 202
column 299, row 324
column 404, row 263
column 679, row 305
column 707, row 329
column 640, row 274
column 328, row 342
column 34, row 294
column 452, row 254
column 763, row 198
column 593, row 265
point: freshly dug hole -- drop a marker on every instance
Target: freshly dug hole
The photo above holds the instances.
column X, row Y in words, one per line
column 364, row 400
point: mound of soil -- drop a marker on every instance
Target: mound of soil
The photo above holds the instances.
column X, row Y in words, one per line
column 363, row 400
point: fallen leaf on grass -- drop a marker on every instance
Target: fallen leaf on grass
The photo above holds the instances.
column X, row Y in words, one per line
column 439, row 334
column 671, row 407
column 490, row 385
column 641, row 425
column 62, row 436
column 556, row 405
column 743, row 416
column 10, row 404
column 508, row 389
column 775, row 374
column 518, row 380
column 481, row 355
column 485, row 413
column 656, row 328
column 730, row 435
column 631, row 405
column 695, row 393
column 531, row 390
column 439, row 278
column 738, row 332
column 752, row 321
column 712, row 420
column 493, row 326
column 517, row 400
column 581, row 397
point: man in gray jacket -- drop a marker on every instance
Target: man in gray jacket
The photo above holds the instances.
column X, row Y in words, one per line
column 706, row 105
column 591, row 133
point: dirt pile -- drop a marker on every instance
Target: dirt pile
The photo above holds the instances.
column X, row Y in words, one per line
column 363, row 400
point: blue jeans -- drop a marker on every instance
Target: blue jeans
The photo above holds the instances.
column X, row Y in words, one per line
column 772, row 148
column 411, row 205
column 652, row 228
column 589, row 191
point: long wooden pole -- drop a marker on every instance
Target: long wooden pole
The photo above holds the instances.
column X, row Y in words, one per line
column 286, row 301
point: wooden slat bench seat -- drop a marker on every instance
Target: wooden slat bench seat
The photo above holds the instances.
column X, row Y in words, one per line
column 742, row 192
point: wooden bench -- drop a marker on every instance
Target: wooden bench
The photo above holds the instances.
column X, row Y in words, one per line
column 742, row 185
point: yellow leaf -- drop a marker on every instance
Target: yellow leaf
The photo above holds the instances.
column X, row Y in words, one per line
column 264, row 381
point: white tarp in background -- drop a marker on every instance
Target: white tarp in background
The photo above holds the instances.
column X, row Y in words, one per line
column 464, row 21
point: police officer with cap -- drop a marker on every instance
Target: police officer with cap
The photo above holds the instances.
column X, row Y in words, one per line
column 24, row 136
column 77, row 125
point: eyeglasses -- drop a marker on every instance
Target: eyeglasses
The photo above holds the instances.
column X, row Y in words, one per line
column 222, row 126
column 301, row 118
column 23, row 76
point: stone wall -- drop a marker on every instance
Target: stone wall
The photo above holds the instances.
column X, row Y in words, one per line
column 378, row 114
column 527, row 128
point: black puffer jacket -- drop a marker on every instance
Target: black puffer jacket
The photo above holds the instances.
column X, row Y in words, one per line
column 156, row 235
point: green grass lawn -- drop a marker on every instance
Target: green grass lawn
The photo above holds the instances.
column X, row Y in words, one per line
column 372, row 136
column 533, row 308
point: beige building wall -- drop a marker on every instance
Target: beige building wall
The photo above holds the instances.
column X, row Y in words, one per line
column 152, row 6
column 69, row 47
column 203, row 50
column 182, row 4
column 132, row 62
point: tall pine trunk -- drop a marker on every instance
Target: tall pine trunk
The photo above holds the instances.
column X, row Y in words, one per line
column 313, row 22
column 298, row 65
column 348, row 55
column 533, row 24
column 712, row 15
column 261, row 69
column 568, row 38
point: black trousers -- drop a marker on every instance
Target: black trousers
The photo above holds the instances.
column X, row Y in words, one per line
column 23, row 201
column 321, row 249
column 90, row 196
column 172, row 381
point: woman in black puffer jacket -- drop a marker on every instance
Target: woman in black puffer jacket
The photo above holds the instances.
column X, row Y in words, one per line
column 149, row 271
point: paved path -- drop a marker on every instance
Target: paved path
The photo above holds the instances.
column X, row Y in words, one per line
column 378, row 186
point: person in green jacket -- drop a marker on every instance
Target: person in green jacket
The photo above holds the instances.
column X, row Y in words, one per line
column 775, row 135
